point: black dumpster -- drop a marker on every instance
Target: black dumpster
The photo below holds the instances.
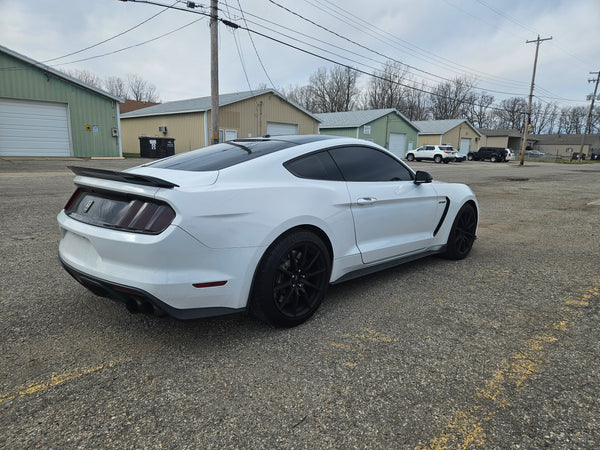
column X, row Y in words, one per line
column 156, row 147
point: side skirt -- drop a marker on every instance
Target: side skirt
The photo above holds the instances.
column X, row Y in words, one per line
column 387, row 265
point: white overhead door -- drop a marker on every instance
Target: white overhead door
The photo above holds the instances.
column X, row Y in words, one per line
column 31, row 128
column 465, row 145
column 398, row 144
column 278, row 128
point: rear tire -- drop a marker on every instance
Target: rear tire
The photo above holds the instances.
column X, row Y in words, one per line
column 437, row 159
column 493, row 159
column 462, row 235
column 291, row 279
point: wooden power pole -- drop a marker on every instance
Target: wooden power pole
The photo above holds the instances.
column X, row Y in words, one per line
column 589, row 115
column 528, row 115
column 214, row 71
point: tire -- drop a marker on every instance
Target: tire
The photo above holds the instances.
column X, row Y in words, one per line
column 437, row 159
column 493, row 159
column 446, row 161
column 470, row 157
column 410, row 157
column 462, row 233
column 291, row 280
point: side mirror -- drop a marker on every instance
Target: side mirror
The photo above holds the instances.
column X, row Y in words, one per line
column 423, row 177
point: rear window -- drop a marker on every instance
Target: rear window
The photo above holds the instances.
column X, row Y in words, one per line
column 220, row 156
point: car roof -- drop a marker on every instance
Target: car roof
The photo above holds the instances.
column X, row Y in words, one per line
column 231, row 153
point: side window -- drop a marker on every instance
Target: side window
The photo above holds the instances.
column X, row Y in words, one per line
column 316, row 166
column 369, row 164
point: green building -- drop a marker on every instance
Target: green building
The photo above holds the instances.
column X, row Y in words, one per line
column 44, row 112
column 386, row 127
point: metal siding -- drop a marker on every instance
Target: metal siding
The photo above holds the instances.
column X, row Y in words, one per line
column 186, row 129
column 244, row 117
column 23, row 81
column 343, row 132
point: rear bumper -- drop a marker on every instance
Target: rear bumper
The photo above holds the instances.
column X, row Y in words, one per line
column 172, row 270
column 137, row 300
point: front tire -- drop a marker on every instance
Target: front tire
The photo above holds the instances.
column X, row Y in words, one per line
column 410, row 157
column 470, row 157
column 462, row 235
column 291, row 280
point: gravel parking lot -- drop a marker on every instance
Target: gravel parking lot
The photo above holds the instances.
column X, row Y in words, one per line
column 500, row 350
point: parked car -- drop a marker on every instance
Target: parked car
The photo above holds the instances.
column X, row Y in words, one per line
column 260, row 224
column 510, row 156
column 437, row 153
column 534, row 153
column 494, row 154
column 460, row 157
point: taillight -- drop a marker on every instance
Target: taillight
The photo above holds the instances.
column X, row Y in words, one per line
column 72, row 199
column 111, row 210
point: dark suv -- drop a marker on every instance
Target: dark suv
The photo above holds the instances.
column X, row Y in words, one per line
column 494, row 154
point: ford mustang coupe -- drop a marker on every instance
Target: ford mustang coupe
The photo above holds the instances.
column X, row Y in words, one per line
column 260, row 224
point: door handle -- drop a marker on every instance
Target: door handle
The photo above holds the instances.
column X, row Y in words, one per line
column 366, row 201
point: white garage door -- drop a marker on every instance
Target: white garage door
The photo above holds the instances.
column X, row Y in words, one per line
column 278, row 128
column 465, row 145
column 30, row 128
column 398, row 144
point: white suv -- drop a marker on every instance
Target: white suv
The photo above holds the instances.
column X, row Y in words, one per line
column 437, row 153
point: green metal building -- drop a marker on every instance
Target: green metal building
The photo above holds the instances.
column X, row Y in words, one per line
column 386, row 127
column 44, row 112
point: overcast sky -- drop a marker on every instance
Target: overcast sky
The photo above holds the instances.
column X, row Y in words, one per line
column 437, row 38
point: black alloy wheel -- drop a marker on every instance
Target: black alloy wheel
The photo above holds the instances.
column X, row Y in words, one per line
column 462, row 235
column 292, row 279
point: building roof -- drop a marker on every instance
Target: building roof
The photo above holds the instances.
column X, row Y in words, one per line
column 501, row 133
column 203, row 104
column 57, row 73
column 354, row 119
column 565, row 139
column 441, row 126
column 133, row 105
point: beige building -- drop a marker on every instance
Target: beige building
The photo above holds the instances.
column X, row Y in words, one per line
column 508, row 138
column 458, row 133
column 242, row 114
column 565, row 145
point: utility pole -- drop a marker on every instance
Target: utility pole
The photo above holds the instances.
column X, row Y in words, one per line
column 528, row 115
column 589, row 115
column 214, row 71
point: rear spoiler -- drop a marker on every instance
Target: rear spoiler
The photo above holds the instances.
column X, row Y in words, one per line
column 123, row 177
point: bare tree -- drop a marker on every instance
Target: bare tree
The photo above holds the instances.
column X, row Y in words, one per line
column 86, row 76
column 451, row 99
column 572, row 119
column 543, row 117
column 386, row 88
column 116, row 86
column 334, row 90
column 301, row 95
column 511, row 113
column 478, row 113
column 416, row 105
column 141, row 90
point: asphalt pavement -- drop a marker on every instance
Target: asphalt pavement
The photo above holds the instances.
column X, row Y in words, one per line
column 500, row 350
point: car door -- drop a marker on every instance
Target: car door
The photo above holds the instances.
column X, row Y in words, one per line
column 392, row 215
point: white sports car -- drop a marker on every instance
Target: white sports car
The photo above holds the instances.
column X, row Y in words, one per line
column 260, row 224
